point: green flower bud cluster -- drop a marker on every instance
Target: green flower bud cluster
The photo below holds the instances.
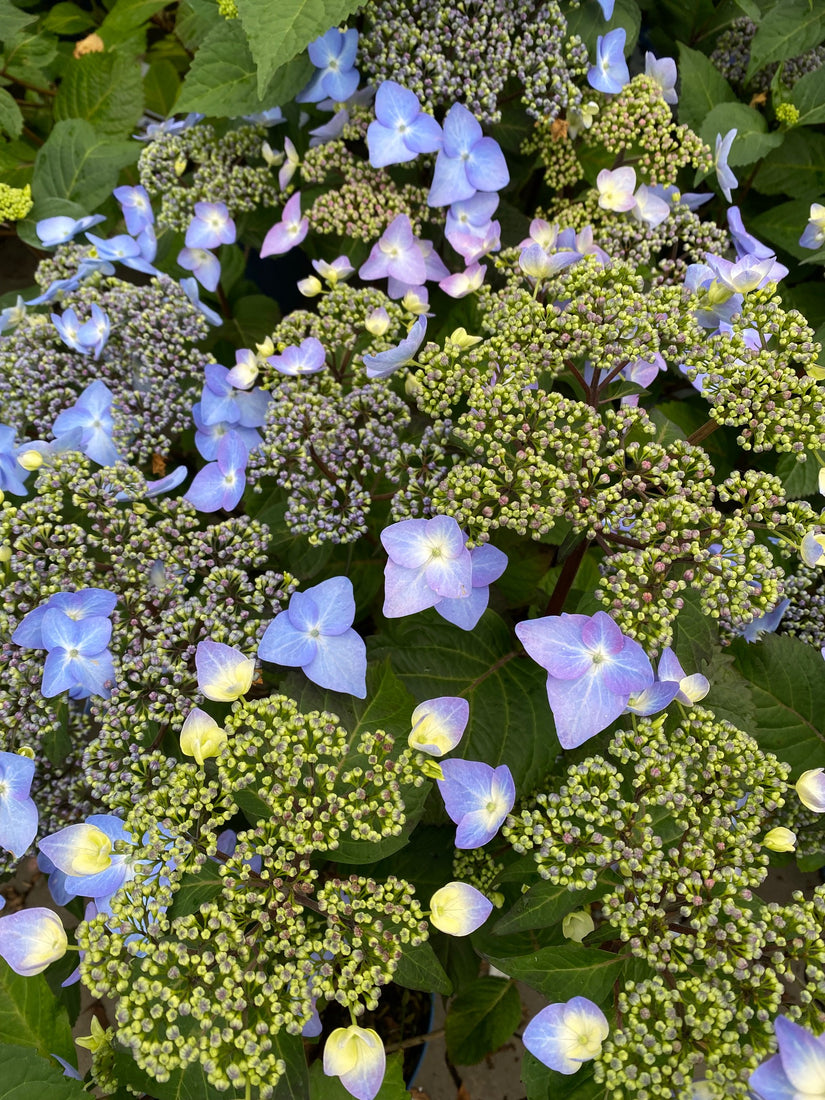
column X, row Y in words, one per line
column 468, row 51
column 15, row 202
column 176, row 584
column 208, row 163
column 668, row 1031
column 549, row 141
column 228, row 9
column 245, row 938
column 359, row 201
column 666, row 816
column 527, row 457
column 154, row 390
column 763, row 391
column 637, row 123
column 300, row 774
column 478, row 866
column 679, row 813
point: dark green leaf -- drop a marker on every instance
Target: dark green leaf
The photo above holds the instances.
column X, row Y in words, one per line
column 545, row 904
column 322, row 1087
column 459, row 959
column 12, row 20
column 800, row 479
column 481, row 1019
column 24, row 1075
column 31, row 1015
column 788, row 691
column 195, row 888
column 752, row 141
column 542, row 1083
column 277, row 32
column 223, row 78
column 786, row 30
column 420, row 969
column 195, row 20
column 79, row 164
column 782, row 226
column 106, row 89
column 587, row 21
column 564, row 972
column 11, row 117
column 57, row 742
column 126, row 17
column 702, row 87
column 67, row 18
column 808, row 96
column 161, row 85
column 797, row 168
column 28, row 54
column 510, row 720
column 294, row 1084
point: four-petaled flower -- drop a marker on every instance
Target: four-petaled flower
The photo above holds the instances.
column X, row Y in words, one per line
column 477, row 798
column 565, row 1035
column 315, row 634
column 401, row 130
column 428, row 561
column 610, row 72
column 333, row 55
column 593, row 670
column 356, row 1055
column 467, row 161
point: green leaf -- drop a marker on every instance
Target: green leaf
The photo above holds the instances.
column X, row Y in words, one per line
column 67, row 18
column 11, row 117
column 195, row 20
column 587, row 21
column 799, row 479
column 195, row 888
column 797, row 168
column 183, row 1084
column 294, row 1084
column 788, row 691
column 322, row 1087
column 786, row 30
column 161, row 85
column 782, row 226
column 222, row 81
column 420, row 969
column 542, row 1083
column 126, row 17
column 106, row 90
column 28, row 54
column 564, row 972
column 57, row 742
column 702, row 87
column 752, row 141
column 545, row 904
column 255, row 317
column 12, row 20
column 277, row 32
column 31, row 1015
column 24, row 1075
column 481, row 1019
column 79, row 164
column 808, row 96
column 510, row 720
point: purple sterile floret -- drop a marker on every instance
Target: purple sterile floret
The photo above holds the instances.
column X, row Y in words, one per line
column 401, row 130
column 477, row 798
column 315, row 634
